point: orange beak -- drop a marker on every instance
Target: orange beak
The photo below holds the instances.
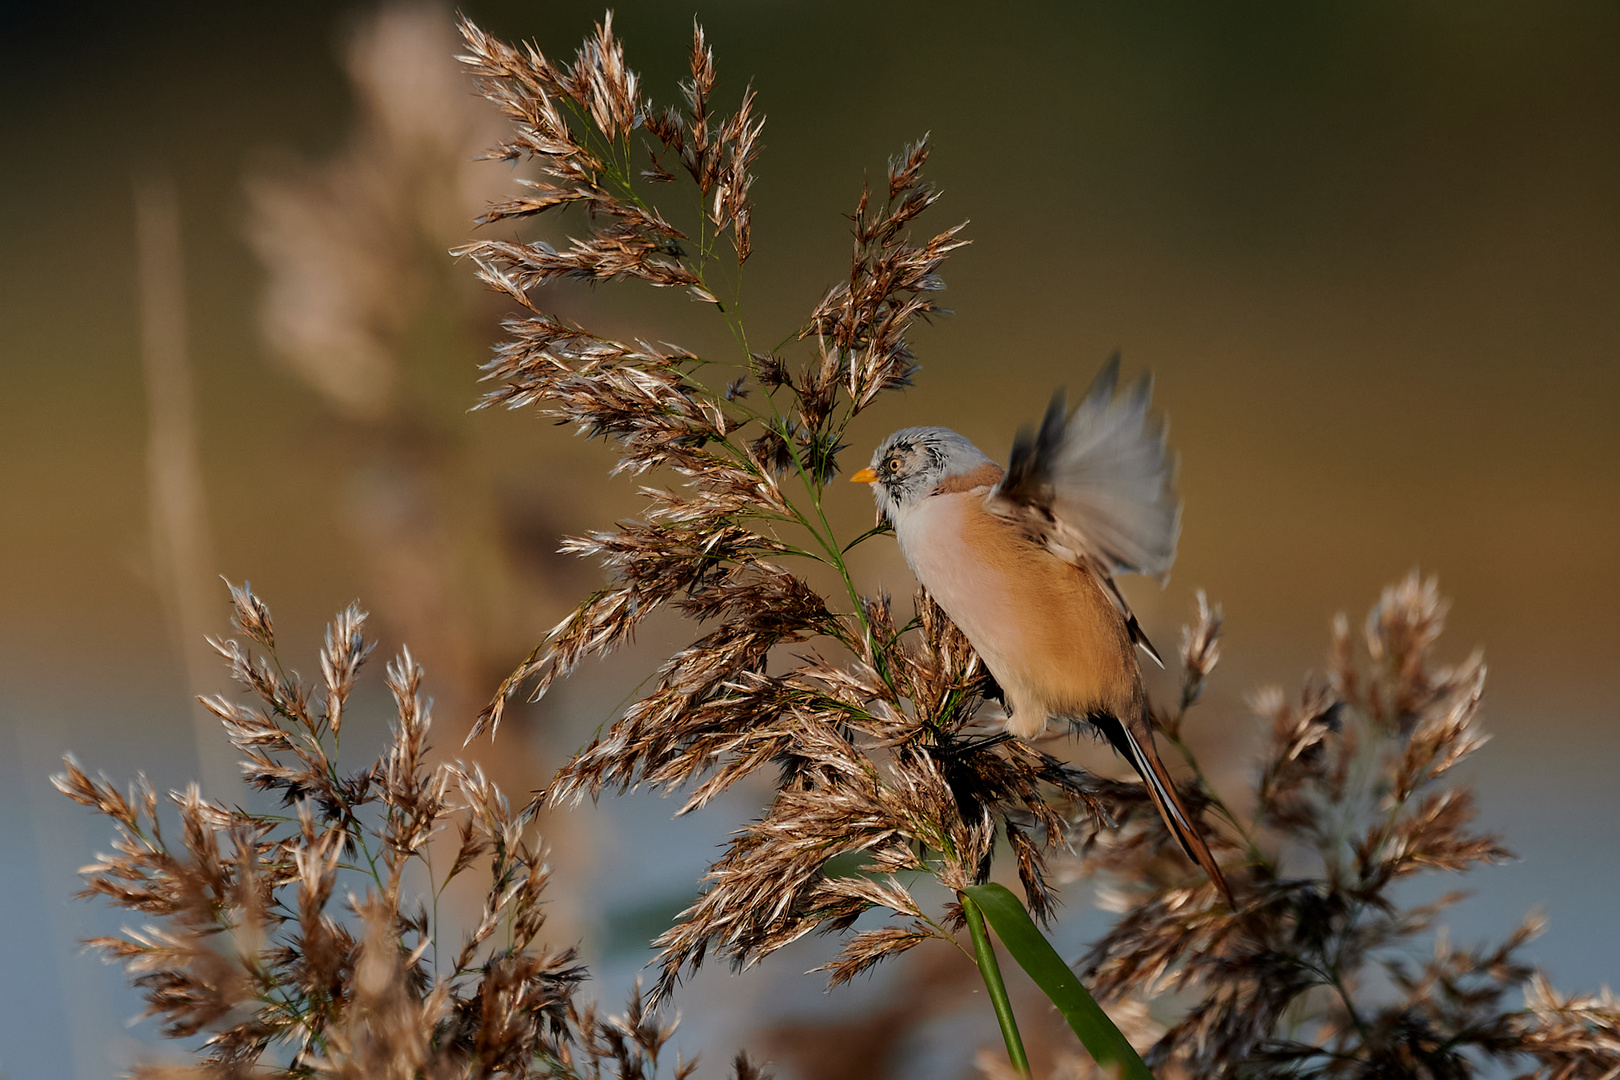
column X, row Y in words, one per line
column 865, row 476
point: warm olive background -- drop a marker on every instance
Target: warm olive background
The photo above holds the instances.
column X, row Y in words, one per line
column 1371, row 251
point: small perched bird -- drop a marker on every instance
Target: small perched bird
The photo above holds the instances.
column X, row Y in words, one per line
column 1023, row 561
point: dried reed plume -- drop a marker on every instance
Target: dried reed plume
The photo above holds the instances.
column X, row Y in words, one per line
column 1354, row 795
column 353, row 245
column 310, row 942
column 866, row 730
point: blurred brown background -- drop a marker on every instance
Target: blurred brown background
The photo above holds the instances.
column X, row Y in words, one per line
column 1371, row 251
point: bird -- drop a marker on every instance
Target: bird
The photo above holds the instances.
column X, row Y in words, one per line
column 1023, row 560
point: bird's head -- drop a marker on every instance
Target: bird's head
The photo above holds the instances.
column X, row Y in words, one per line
column 912, row 463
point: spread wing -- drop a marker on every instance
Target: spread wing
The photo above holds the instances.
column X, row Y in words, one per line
column 1098, row 487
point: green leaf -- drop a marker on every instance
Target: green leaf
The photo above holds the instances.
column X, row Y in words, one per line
column 1025, row 942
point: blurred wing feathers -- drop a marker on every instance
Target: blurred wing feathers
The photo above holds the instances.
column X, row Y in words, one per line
column 1097, row 487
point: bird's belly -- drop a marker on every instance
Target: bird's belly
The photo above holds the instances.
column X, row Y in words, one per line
column 1040, row 625
column 977, row 587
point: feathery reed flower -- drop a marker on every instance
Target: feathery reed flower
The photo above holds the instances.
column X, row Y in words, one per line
column 1354, row 795
column 306, row 943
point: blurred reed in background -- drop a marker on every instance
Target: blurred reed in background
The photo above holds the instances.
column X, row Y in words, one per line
column 363, row 306
column 361, row 303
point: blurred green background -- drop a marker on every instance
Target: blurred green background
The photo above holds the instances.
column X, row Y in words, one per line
column 1371, row 251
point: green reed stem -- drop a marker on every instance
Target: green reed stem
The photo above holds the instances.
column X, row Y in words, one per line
column 985, row 953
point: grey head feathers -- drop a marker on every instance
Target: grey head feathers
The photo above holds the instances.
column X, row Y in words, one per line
column 913, row 462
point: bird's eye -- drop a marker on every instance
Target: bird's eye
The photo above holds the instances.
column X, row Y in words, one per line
column 894, row 463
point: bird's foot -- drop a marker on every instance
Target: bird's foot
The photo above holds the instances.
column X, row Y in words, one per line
column 975, row 745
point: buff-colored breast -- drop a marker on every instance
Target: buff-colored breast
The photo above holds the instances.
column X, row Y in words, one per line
column 1043, row 627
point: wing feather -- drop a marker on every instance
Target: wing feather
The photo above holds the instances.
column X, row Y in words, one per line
column 1097, row 487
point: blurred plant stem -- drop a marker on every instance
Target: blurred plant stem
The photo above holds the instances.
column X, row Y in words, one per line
column 182, row 557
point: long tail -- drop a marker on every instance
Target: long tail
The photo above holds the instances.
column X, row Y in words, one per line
column 1144, row 758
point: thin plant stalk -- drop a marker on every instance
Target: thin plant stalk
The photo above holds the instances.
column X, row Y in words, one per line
column 990, row 971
